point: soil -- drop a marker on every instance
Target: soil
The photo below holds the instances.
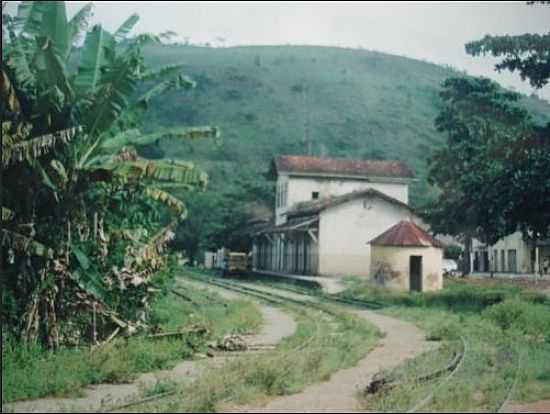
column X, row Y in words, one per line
column 534, row 407
column 277, row 325
column 339, row 394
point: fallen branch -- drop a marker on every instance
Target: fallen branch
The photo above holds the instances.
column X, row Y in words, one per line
column 167, row 335
column 141, row 401
column 386, row 383
column 109, row 339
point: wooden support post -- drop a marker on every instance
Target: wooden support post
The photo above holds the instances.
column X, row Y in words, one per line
column 95, row 226
column 94, row 324
column 312, row 235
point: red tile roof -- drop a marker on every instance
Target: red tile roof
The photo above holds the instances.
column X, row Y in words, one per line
column 308, row 208
column 405, row 233
column 340, row 166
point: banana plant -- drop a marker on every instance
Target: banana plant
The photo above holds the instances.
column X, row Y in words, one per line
column 70, row 127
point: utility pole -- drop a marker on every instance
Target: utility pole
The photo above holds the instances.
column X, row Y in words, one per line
column 307, row 140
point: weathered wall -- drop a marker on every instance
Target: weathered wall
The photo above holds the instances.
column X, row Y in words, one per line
column 301, row 188
column 511, row 242
column 345, row 230
column 390, row 266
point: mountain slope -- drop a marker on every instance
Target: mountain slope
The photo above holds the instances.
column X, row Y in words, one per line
column 299, row 99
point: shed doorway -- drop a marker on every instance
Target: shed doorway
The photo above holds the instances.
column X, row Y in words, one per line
column 415, row 266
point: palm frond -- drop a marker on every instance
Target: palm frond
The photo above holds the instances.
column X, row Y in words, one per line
column 24, row 244
column 10, row 102
column 125, row 28
column 79, row 23
column 115, row 87
column 156, row 245
column 134, row 137
column 36, row 147
column 51, row 70
column 7, row 214
column 178, row 82
column 18, row 54
column 55, row 28
column 28, row 20
column 97, row 52
column 179, row 172
column 167, row 71
column 173, row 203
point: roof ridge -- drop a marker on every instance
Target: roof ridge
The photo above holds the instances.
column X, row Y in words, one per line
column 405, row 233
column 308, row 164
column 316, row 206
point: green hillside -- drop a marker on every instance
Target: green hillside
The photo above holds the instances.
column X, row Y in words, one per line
column 298, row 100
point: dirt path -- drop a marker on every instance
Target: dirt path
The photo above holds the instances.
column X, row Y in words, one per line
column 277, row 325
column 402, row 341
column 535, row 407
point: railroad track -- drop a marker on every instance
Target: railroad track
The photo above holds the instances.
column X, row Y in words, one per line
column 426, row 400
column 230, row 284
column 268, row 297
column 362, row 305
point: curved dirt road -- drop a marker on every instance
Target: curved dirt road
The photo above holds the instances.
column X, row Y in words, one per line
column 402, row 341
column 277, row 325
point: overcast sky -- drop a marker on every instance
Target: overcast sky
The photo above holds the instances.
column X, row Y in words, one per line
column 435, row 32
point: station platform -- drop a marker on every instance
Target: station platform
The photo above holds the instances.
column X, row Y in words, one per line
column 330, row 285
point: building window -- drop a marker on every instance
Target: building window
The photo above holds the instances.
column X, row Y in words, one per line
column 502, row 261
column 512, row 264
column 315, row 195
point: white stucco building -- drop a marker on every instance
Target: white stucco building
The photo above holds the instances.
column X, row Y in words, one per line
column 327, row 211
column 511, row 255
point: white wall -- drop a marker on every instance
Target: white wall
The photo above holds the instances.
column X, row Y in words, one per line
column 511, row 242
column 345, row 230
column 301, row 188
column 392, row 264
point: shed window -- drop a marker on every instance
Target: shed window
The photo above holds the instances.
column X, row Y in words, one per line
column 315, row 195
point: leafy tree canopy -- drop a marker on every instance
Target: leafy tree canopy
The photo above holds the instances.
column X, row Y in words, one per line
column 529, row 54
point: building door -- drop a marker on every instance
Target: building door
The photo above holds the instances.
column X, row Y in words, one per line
column 415, row 266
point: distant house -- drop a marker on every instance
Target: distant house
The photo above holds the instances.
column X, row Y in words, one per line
column 512, row 255
column 326, row 212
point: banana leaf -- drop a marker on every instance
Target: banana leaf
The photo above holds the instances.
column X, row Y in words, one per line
column 36, row 147
column 97, row 52
column 176, row 205
column 24, row 244
column 134, row 137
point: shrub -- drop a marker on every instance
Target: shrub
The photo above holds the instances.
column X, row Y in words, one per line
column 448, row 331
column 530, row 319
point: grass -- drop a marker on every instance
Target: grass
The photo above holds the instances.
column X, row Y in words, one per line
column 320, row 346
column 160, row 387
column 356, row 104
column 498, row 323
column 29, row 371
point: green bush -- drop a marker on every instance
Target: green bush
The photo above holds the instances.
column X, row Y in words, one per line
column 528, row 318
column 447, row 331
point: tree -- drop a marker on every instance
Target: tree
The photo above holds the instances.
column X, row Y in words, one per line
column 90, row 201
column 527, row 160
column 529, row 54
column 527, row 174
column 481, row 121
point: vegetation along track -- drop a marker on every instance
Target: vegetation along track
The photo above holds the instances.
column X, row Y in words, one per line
column 267, row 297
column 425, row 401
column 418, row 406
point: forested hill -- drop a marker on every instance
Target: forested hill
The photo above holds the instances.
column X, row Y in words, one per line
column 298, row 99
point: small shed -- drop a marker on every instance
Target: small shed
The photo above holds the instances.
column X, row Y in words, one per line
column 406, row 257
